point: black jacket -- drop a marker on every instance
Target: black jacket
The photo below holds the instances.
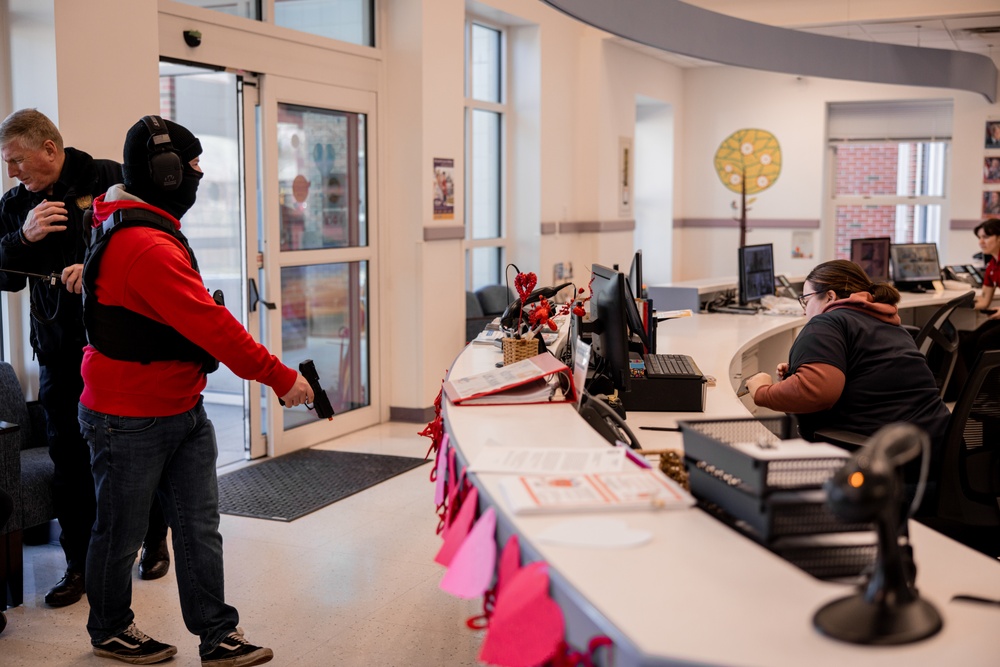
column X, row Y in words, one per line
column 56, row 315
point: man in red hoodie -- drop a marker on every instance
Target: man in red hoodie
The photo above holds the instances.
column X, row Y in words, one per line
column 154, row 332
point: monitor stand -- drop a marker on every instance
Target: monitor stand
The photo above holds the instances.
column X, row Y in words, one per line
column 919, row 288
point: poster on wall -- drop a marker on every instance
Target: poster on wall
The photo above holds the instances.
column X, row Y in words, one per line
column 625, row 176
column 991, row 204
column 802, row 245
column 444, row 189
column 993, row 134
column 991, row 170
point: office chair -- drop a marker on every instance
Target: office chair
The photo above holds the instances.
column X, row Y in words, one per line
column 937, row 340
column 968, row 503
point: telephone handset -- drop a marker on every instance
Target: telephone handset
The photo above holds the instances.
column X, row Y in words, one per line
column 966, row 273
column 606, row 421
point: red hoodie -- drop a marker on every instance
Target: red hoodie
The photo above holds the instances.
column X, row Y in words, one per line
column 149, row 272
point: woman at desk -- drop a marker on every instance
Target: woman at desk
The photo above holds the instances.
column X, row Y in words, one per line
column 853, row 367
column 987, row 335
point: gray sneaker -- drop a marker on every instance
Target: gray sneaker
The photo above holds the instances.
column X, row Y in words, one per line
column 235, row 651
column 135, row 647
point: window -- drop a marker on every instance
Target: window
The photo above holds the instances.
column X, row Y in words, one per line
column 484, row 156
column 890, row 163
column 345, row 20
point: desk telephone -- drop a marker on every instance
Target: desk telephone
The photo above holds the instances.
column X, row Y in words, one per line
column 966, row 273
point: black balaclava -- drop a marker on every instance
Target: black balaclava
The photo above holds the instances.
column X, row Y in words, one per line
column 138, row 180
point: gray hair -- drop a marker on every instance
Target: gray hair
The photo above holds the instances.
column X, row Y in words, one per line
column 30, row 128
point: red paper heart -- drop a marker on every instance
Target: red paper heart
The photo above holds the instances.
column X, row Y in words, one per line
column 510, row 563
column 527, row 626
column 455, row 533
column 471, row 569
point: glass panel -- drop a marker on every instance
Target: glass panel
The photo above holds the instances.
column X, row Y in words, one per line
column 903, row 224
column 322, row 168
column 485, row 195
column 346, row 20
column 485, row 78
column 206, row 103
column 323, row 318
column 903, row 169
column 485, row 264
column 249, row 9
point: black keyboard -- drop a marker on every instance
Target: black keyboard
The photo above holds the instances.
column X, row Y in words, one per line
column 670, row 366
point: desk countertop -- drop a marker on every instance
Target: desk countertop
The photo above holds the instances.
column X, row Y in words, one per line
column 698, row 593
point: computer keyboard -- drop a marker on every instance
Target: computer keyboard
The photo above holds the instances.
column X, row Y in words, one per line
column 670, row 366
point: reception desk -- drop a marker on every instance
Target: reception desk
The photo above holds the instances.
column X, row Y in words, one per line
column 699, row 593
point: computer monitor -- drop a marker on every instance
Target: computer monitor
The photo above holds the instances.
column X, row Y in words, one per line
column 914, row 266
column 615, row 319
column 756, row 267
column 872, row 255
column 635, row 275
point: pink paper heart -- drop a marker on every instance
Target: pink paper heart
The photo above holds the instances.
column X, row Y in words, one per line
column 527, row 626
column 471, row 568
column 456, row 533
column 510, row 563
column 442, row 471
column 457, row 489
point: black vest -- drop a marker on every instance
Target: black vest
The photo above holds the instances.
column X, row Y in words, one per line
column 123, row 334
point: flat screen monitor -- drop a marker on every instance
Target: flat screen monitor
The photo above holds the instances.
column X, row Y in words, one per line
column 914, row 265
column 615, row 318
column 635, row 275
column 756, row 267
column 872, row 255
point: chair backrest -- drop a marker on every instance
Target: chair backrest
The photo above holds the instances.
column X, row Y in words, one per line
column 970, row 474
column 938, row 340
column 495, row 298
column 13, row 408
column 472, row 306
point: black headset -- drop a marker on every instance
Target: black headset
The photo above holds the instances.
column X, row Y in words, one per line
column 165, row 165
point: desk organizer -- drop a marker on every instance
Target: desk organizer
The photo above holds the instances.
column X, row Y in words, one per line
column 753, row 476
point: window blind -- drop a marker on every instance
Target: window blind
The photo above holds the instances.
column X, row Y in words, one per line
column 905, row 120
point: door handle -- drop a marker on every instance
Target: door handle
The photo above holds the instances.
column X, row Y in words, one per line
column 254, row 297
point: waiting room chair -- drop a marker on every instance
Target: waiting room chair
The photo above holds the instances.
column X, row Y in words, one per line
column 26, row 473
column 492, row 301
column 475, row 319
column 937, row 340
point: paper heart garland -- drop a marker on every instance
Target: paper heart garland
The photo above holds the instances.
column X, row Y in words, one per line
column 510, row 563
column 471, row 568
column 456, row 533
column 527, row 626
column 442, row 471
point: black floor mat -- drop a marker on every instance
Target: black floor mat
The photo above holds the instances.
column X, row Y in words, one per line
column 293, row 485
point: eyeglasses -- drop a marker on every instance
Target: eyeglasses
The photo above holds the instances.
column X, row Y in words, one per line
column 802, row 299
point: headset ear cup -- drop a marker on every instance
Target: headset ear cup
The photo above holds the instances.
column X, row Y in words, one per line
column 166, row 170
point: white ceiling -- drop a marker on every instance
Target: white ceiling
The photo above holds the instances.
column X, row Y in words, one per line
column 976, row 33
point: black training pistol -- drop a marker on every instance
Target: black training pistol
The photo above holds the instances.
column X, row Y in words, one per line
column 321, row 403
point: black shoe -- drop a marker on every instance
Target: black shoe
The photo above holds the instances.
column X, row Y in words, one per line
column 135, row 647
column 154, row 561
column 67, row 591
column 234, row 651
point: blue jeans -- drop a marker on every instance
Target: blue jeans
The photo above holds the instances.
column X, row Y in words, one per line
column 135, row 459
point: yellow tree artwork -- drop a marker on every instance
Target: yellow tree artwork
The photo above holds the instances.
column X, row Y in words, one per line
column 748, row 161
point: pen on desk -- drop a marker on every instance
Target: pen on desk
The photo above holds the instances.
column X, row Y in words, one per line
column 660, row 428
column 973, row 598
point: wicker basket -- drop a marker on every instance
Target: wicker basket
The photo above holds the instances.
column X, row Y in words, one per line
column 518, row 349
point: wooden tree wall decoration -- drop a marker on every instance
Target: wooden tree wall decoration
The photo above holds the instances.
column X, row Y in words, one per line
column 748, row 161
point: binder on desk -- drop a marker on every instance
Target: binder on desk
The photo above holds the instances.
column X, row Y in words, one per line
column 540, row 379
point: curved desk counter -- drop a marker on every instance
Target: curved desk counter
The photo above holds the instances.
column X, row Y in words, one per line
column 699, row 593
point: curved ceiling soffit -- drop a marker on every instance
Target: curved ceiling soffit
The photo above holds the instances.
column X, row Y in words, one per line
column 678, row 27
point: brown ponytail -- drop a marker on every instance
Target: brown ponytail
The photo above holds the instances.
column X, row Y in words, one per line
column 846, row 278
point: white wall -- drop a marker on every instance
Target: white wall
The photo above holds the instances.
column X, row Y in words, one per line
column 721, row 100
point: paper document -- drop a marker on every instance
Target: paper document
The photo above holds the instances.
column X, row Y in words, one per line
column 537, row 460
column 631, row 489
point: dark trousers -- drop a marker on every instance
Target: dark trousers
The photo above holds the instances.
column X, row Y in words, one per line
column 60, row 386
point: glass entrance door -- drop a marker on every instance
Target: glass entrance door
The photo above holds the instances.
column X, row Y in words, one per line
column 318, row 252
column 210, row 104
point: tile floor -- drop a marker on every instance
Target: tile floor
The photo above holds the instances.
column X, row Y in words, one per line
column 352, row 585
